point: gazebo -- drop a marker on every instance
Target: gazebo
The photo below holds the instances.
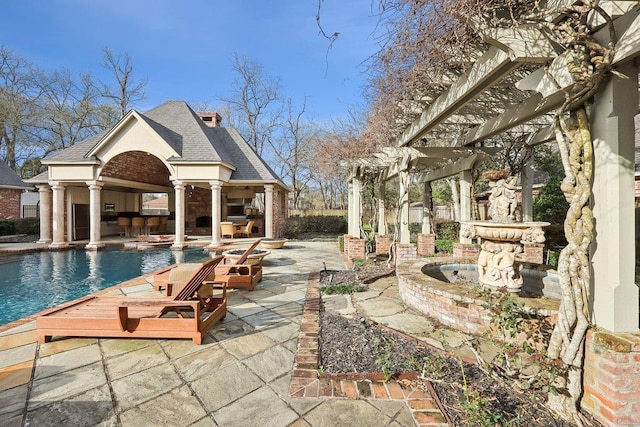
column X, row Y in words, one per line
column 209, row 173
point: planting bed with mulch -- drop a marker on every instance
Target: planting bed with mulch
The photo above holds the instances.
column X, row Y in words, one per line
column 470, row 396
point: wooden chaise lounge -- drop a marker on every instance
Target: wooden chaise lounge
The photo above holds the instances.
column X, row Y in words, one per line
column 188, row 314
column 239, row 274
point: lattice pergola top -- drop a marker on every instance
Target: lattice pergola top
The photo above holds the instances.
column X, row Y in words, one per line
column 515, row 84
column 428, row 163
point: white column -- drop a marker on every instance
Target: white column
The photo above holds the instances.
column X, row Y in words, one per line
column 94, row 216
column 465, row 200
column 178, row 242
column 350, row 214
column 357, row 206
column 45, row 213
column 382, row 217
column 268, row 211
column 615, row 295
column 426, row 208
column 216, row 208
column 58, row 216
column 526, row 178
column 403, row 180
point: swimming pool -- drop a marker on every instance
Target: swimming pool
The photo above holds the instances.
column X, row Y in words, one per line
column 32, row 282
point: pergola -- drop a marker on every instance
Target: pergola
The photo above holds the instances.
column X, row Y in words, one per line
column 529, row 75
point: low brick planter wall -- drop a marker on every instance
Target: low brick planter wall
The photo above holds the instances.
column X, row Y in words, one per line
column 456, row 305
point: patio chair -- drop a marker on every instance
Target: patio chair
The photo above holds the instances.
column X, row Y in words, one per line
column 246, row 231
column 189, row 314
column 227, row 229
column 240, row 274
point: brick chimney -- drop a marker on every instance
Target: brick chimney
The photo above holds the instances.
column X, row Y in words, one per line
column 212, row 119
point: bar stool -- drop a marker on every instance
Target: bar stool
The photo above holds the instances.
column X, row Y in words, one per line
column 125, row 226
column 164, row 224
column 153, row 224
column 138, row 225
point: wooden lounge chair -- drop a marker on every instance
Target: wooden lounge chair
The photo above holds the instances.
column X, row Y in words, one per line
column 240, row 274
column 189, row 314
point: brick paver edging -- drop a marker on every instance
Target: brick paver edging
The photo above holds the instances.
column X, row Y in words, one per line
column 307, row 381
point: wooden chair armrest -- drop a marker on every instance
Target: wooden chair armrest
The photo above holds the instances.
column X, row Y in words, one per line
column 218, row 284
column 155, row 302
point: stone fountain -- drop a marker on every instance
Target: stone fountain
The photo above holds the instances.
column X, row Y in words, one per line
column 502, row 237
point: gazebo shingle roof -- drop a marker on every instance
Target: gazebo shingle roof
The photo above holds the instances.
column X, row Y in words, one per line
column 180, row 127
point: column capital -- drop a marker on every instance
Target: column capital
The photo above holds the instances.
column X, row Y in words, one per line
column 268, row 187
column 43, row 188
column 57, row 186
column 178, row 185
column 95, row 185
column 215, row 184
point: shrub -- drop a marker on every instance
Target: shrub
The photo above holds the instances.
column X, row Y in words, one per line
column 30, row 226
column 447, row 230
column 7, row 227
column 294, row 227
column 444, row 246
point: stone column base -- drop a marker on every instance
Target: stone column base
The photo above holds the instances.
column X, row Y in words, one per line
column 426, row 244
column 382, row 244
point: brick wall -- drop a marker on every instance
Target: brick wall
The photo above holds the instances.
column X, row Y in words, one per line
column 9, row 203
column 382, row 244
column 426, row 244
column 466, row 250
column 533, row 253
column 405, row 252
column 198, row 204
column 612, row 378
column 138, row 166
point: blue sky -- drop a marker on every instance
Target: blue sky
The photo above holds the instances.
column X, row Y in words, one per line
column 184, row 47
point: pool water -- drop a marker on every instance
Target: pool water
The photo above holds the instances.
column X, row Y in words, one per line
column 32, row 282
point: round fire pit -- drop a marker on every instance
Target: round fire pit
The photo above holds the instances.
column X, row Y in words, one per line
column 272, row 243
column 254, row 258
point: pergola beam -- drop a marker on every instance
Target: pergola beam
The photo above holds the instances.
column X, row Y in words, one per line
column 489, row 68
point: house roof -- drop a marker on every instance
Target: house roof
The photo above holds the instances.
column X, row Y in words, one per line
column 181, row 128
column 9, row 178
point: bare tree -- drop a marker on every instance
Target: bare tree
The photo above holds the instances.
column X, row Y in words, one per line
column 254, row 101
column 127, row 90
column 18, row 93
column 69, row 111
column 294, row 149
